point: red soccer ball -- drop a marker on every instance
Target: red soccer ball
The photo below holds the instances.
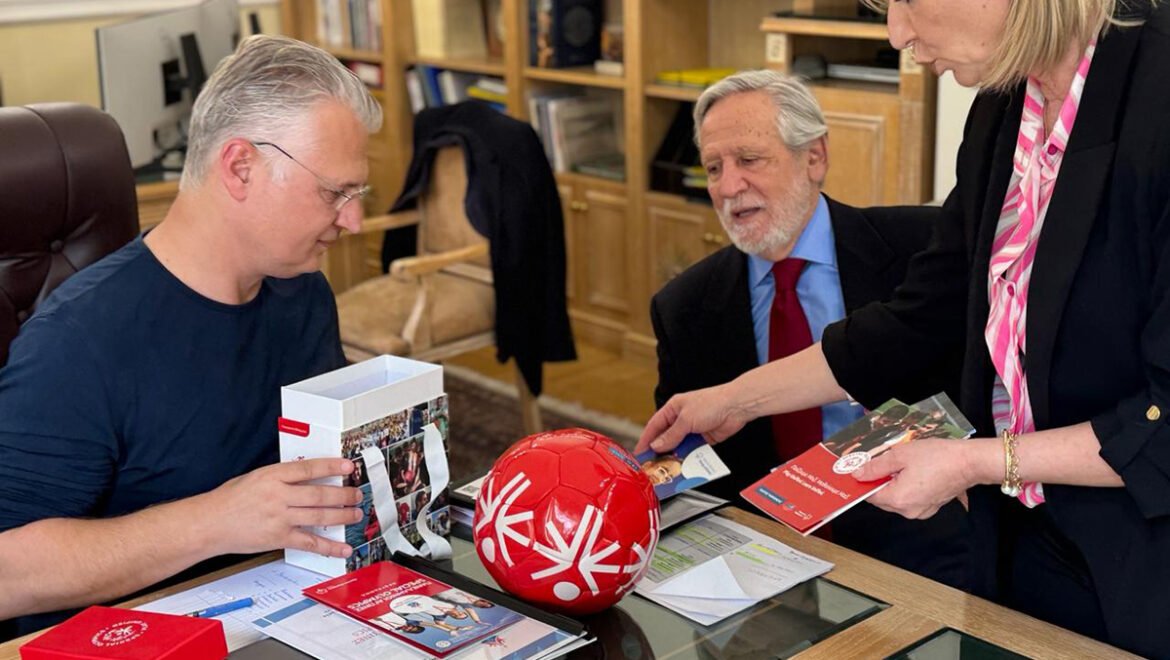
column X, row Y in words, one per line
column 566, row 519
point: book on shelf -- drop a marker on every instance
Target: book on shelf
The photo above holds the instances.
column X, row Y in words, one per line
column 865, row 73
column 697, row 78
column 414, row 90
column 494, row 85
column 355, row 24
column 582, row 128
column 368, row 72
column 449, row 28
column 610, row 166
column 538, row 114
column 432, row 87
column 454, row 86
column 818, row 485
column 477, row 92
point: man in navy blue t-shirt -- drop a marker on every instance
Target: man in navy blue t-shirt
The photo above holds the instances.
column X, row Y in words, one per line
column 138, row 410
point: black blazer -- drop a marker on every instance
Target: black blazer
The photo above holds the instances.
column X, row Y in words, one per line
column 512, row 200
column 1098, row 332
column 703, row 323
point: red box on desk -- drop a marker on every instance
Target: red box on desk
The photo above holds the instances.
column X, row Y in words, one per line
column 110, row 632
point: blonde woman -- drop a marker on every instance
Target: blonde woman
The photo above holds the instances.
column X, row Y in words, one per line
column 1051, row 270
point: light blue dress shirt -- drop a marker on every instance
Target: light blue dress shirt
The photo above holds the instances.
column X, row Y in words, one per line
column 819, row 291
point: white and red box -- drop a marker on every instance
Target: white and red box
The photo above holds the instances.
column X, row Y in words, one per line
column 382, row 403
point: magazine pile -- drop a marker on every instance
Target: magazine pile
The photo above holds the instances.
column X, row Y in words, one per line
column 817, row 486
column 409, row 608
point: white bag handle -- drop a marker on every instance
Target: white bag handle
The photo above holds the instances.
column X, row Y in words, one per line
column 434, row 546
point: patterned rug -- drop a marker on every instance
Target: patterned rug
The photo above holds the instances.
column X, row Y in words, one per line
column 485, row 420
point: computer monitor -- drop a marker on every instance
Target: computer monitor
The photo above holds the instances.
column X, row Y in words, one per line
column 151, row 68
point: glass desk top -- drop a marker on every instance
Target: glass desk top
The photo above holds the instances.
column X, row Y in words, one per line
column 637, row 628
column 950, row 644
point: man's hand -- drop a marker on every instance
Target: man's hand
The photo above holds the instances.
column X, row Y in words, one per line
column 266, row 508
column 707, row 412
column 926, row 473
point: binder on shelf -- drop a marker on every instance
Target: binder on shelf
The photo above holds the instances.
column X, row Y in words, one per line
column 672, row 167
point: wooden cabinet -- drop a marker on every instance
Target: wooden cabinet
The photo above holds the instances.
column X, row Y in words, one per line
column 597, row 227
column 881, row 135
column 681, row 233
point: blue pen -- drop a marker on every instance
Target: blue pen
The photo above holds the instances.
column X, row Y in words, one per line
column 222, row 608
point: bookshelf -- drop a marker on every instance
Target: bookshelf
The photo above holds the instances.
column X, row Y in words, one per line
column 624, row 239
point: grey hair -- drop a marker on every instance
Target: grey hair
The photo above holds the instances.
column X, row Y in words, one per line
column 798, row 115
column 264, row 90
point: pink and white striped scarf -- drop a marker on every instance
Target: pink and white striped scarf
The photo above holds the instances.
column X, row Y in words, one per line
column 1035, row 166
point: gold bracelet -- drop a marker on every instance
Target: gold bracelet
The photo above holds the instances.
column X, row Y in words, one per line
column 1011, row 465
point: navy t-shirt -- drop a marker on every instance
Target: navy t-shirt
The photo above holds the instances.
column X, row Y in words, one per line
column 127, row 388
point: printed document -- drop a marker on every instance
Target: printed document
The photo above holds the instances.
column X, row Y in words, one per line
column 712, row 568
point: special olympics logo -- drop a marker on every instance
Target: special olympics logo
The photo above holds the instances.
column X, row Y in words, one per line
column 850, row 462
column 120, row 633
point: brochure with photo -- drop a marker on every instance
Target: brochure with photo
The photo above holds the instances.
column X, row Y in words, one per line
column 325, row 633
column 815, row 487
column 418, row 610
column 692, row 463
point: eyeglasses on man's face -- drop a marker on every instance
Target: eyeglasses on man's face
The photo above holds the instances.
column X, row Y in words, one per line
column 335, row 197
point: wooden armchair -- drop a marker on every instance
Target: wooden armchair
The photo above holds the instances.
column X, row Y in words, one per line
column 440, row 303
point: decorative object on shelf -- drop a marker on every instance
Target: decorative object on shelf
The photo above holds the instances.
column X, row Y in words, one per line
column 564, row 33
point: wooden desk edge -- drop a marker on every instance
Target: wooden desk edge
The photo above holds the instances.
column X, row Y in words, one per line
column 10, row 650
column 930, row 605
column 918, row 607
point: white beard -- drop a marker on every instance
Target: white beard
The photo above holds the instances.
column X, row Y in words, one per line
column 781, row 222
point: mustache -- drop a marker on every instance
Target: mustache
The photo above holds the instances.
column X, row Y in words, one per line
column 741, row 202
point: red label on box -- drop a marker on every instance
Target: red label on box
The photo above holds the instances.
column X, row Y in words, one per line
column 292, row 426
column 110, row 632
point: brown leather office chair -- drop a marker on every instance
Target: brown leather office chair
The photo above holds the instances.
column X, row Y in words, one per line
column 440, row 303
column 67, row 199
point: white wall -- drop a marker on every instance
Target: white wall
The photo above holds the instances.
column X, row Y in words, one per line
column 953, row 103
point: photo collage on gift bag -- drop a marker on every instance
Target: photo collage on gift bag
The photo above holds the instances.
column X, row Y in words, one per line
column 400, row 438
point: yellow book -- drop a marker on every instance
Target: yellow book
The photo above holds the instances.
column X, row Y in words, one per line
column 694, row 77
column 477, row 92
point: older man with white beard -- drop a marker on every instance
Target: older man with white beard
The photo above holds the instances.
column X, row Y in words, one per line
column 799, row 261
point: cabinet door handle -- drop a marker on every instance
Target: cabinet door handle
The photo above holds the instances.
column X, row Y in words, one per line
column 578, row 206
column 714, row 239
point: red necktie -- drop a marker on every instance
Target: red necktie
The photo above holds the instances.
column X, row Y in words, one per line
column 788, row 333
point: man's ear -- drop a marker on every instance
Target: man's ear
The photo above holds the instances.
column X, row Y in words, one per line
column 818, row 160
column 237, row 167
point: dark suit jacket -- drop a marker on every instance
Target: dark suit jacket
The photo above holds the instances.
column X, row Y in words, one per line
column 512, row 200
column 1098, row 331
column 703, row 323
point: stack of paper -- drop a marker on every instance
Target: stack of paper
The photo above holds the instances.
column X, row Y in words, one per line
column 712, row 568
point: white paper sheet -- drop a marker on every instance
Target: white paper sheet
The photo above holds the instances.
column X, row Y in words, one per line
column 712, row 568
column 272, row 586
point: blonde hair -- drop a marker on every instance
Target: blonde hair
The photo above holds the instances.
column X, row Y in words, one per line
column 1039, row 33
